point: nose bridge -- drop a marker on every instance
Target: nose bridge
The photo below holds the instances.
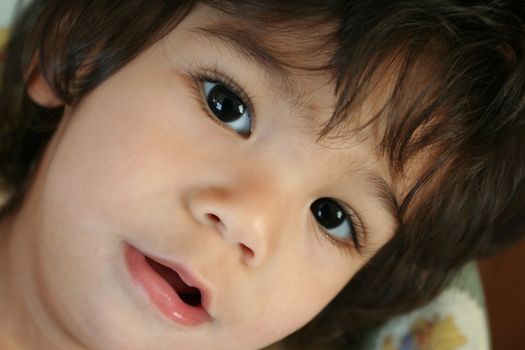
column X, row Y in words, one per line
column 246, row 212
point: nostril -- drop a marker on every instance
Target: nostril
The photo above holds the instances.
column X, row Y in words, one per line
column 213, row 218
column 215, row 221
column 247, row 250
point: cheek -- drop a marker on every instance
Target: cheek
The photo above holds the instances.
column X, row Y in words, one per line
column 107, row 158
column 93, row 169
column 295, row 290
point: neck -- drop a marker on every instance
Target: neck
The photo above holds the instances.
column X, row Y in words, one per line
column 25, row 321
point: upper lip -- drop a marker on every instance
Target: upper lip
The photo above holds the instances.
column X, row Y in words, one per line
column 188, row 277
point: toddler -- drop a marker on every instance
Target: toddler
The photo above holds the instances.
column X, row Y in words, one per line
column 222, row 174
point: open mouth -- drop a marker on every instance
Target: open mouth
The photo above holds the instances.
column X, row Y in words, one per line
column 189, row 295
column 172, row 289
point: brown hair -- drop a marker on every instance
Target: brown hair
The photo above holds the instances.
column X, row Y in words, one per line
column 458, row 93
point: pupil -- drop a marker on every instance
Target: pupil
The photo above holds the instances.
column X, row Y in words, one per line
column 226, row 106
column 328, row 213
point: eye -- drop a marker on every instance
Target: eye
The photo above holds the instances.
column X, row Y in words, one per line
column 228, row 107
column 333, row 219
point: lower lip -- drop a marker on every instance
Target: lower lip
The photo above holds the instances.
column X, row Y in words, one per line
column 161, row 293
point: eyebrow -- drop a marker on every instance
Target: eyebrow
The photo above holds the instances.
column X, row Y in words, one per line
column 382, row 191
column 255, row 51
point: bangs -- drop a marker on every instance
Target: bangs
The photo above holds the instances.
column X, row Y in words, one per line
column 384, row 58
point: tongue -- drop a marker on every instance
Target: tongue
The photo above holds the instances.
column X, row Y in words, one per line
column 189, row 295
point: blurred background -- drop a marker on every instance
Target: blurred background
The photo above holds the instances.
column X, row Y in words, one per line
column 503, row 277
column 6, row 11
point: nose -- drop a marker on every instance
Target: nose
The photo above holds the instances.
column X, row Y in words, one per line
column 246, row 220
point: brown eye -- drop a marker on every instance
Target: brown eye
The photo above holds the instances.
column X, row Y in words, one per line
column 228, row 107
column 332, row 218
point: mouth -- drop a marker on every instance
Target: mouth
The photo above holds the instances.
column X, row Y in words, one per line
column 171, row 288
column 188, row 294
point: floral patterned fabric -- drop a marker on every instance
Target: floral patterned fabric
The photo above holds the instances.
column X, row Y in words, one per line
column 456, row 320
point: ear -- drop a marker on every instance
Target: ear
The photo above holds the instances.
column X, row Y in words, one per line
column 40, row 91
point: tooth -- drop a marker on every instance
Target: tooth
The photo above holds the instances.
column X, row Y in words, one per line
column 188, row 284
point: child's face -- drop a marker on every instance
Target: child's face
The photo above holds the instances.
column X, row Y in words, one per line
column 139, row 164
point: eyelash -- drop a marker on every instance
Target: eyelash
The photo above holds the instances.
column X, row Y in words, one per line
column 203, row 75
column 358, row 230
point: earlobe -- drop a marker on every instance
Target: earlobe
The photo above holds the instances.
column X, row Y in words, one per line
column 40, row 91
